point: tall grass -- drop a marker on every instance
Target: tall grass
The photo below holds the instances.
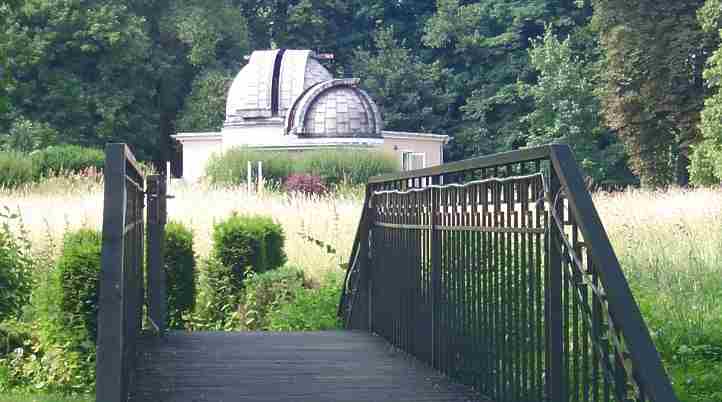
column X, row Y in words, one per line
column 670, row 247
column 45, row 398
column 334, row 166
column 669, row 244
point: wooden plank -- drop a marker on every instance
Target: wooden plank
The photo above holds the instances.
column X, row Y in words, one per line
column 302, row 366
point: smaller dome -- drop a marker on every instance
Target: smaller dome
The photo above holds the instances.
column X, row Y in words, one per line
column 335, row 108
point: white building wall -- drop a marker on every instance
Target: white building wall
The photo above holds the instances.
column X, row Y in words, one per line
column 197, row 149
column 261, row 135
column 432, row 149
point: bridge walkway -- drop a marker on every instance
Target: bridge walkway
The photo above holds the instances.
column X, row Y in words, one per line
column 285, row 366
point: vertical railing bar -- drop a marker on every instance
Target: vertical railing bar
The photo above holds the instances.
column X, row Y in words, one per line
column 486, row 291
column 435, row 274
column 555, row 320
column 540, row 286
column 513, row 321
column 517, row 295
column 462, row 268
column 587, row 387
column 497, row 272
column 576, row 283
column 475, row 296
column 504, row 288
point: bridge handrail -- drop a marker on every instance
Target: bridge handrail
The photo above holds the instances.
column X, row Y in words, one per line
column 633, row 346
column 122, row 294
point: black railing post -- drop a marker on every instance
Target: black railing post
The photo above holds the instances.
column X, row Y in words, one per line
column 111, row 316
column 435, row 273
column 365, row 255
column 555, row 377
column 157, row 308
column 121, row 294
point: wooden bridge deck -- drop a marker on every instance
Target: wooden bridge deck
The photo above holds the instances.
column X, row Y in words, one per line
column 298, row 366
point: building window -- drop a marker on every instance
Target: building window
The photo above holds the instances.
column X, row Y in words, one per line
column 413, row 160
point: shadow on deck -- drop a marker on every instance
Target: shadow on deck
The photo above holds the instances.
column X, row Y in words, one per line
column 295, row 366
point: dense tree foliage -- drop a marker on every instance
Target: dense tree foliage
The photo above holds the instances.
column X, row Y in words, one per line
column 653, row 94
column 706, row 165
column 610, row 77
column 566, row 109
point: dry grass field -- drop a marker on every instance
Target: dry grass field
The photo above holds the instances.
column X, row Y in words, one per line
column 669, row 244
column 61, row 204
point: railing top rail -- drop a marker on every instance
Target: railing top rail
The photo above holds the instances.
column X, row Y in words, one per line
column 619, row 295
column 500, row 159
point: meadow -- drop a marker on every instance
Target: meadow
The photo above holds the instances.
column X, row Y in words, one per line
column 669, row 244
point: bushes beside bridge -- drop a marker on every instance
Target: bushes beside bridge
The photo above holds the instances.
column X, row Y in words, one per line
column 246, row 286
column 55, row 337
column 180, row 272
column 243, row 245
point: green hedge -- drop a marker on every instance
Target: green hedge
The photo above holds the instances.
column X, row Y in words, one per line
column 61, row 159
column 60, row 356
column 249, row 242
column 180, row 266
column 78, row 272
column 16, row 169
column 334, row 166
column 242, row 246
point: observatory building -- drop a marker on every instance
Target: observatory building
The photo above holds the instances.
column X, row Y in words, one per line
column 286, row 100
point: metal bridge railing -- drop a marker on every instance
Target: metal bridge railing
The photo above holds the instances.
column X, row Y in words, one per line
column 498, row 272
column 122, row 296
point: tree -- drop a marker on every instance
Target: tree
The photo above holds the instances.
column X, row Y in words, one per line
column 204, row 108
column 82, row 68
column 706, row 164
column 484, row 45
column 113, row 70
column 653, row 89
column 410, row 92
column 566, row 109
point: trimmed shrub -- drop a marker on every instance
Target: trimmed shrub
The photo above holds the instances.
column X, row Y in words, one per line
column 269, row 291
column 332, row 166
column 248, row 242
column 16, row 169
column 309, row 309
column 180, row 266
column 67, row 158
column 304, row 183
column 78, row 271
